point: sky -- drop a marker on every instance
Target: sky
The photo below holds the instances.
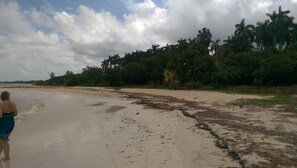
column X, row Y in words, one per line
column 38, row 37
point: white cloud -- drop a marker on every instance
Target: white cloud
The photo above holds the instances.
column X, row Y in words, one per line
column 38, row 41
column 101, row 33
column 40, row 18
column 27, row 53
column 141, row 7
column 12, row 21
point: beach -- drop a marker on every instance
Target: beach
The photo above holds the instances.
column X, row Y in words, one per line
column 100, row 127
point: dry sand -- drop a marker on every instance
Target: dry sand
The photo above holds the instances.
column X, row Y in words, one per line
column 132, row 128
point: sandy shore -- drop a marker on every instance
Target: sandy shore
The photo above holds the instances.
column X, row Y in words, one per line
column 97, row 127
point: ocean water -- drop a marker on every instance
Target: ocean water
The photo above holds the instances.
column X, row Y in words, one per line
column 27, row 100
column 15, row 85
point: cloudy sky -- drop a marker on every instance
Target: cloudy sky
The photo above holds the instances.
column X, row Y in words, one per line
column 42, row 36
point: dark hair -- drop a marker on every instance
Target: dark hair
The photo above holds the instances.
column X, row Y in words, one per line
column 5, row 95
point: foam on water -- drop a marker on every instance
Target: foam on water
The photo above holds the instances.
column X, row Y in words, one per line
column 28, row 101
column 34, row 109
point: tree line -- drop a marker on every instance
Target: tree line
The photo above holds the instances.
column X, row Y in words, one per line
column 264, row 54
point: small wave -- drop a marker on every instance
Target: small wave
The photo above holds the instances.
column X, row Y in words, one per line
column 16, row 85
column 33, row 110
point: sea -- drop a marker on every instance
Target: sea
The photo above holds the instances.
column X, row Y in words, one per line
column 27, row 99
column 15, row 85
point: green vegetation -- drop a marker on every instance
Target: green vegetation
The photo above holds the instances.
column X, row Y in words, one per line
column 288, row 102
column 264, row 91
column 273, row 100
column 262, row 55
column 283, row 96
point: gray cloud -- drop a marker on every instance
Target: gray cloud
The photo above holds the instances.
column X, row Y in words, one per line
column 36, row 42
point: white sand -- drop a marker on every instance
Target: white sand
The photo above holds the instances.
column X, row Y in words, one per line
column 79, row 128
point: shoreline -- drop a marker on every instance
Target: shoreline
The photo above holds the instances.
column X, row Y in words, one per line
column 228, row 127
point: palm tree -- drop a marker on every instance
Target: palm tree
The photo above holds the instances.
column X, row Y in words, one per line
column 281, row 23
column 291, row 37
column 114, row 61
column 52, row 75
column 293, row 32
column 192, row 43
column 244, row 31
column 264, row 35
column 154, row 50
column 182, row 44
column 204, row 40
column 104, row 64
column 170, row 77
column 237, row 44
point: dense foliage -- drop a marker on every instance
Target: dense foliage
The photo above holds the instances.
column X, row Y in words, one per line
column 262, row 54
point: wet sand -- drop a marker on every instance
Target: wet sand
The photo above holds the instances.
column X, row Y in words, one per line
column 98, row 127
